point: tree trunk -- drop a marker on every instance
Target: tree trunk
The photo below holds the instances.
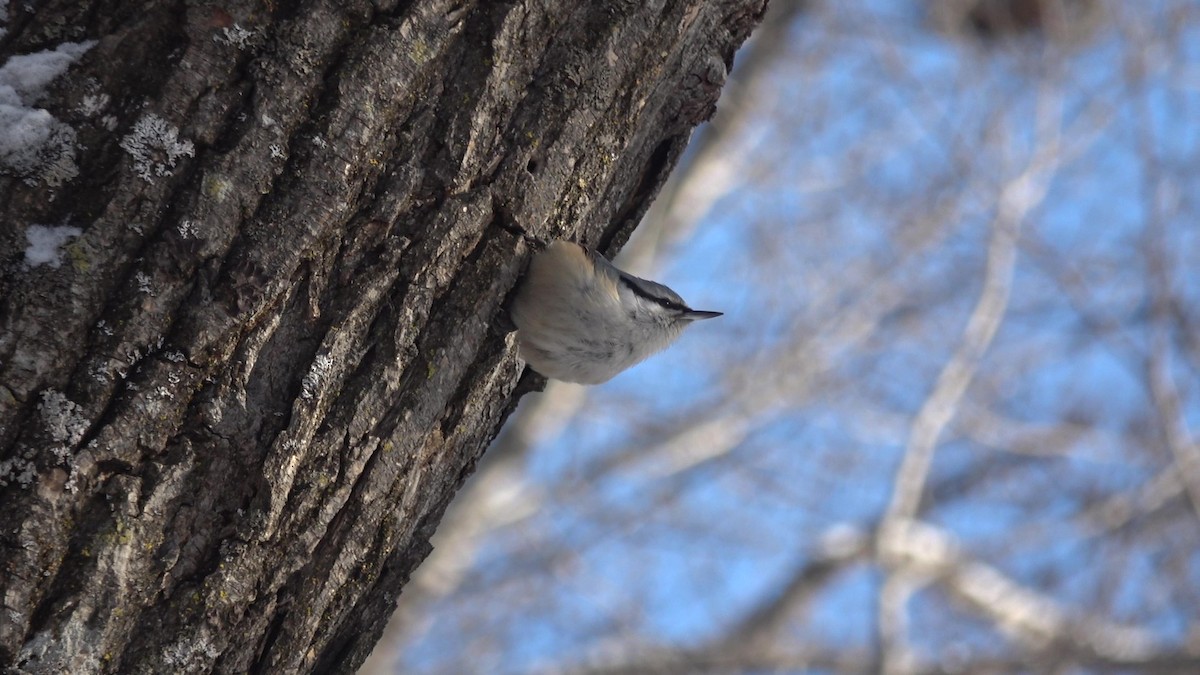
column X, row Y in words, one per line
column 235, row 401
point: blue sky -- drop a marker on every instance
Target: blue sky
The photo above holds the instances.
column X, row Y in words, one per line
column 848, row 254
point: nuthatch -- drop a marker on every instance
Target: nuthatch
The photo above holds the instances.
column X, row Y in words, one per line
column 580, row 319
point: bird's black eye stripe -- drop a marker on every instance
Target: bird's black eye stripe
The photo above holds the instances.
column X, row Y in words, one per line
column 641, row 292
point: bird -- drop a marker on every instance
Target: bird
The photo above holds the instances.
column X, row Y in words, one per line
column 581, row 319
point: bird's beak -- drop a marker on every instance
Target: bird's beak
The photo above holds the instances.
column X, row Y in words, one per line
column 698, row 314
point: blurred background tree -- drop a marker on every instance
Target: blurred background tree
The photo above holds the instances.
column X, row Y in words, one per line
column 948, row 421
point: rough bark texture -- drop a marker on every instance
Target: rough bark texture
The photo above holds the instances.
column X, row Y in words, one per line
column 248, row 393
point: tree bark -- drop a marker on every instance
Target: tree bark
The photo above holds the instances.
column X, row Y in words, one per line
column 233, row 415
